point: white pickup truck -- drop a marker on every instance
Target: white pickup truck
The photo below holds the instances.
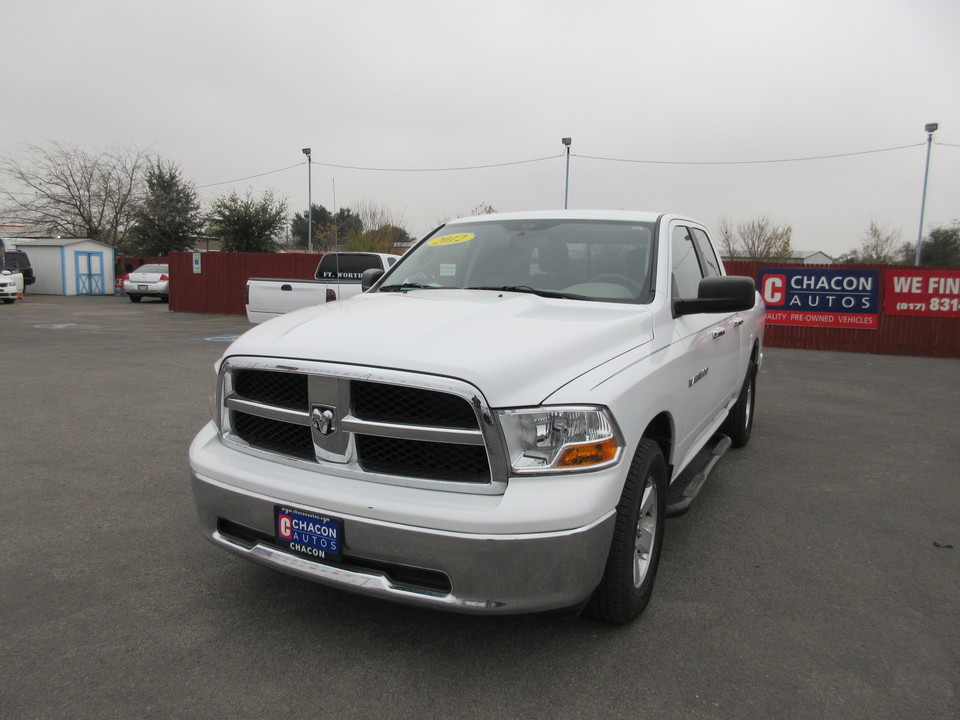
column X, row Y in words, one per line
column 337, row 277
column 502, row 423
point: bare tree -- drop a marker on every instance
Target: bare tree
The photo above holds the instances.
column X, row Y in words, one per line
column 878, row 245
column 382, row 231
column 758, row 239
column 483, row 209
column 65, row 190
column 375, row 215
column 728, row 240
column 478, row 209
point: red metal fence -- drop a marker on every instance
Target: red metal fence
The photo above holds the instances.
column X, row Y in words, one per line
column 219, row 287
column 896, row 334
column 220, row 284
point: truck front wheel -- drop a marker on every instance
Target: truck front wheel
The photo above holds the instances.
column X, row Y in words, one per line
column 631, row 569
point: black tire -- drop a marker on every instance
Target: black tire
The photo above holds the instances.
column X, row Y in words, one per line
column 739, row 423
column 165, row 298
column 9, row 301
column 135, row 298
column 631, row 569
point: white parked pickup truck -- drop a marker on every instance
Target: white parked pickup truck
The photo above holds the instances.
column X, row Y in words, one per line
column 501, row 423
column 337, row 277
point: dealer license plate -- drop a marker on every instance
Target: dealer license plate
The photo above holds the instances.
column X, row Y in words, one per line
column 317, row 537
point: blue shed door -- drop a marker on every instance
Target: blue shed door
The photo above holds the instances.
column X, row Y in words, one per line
column 89, row 272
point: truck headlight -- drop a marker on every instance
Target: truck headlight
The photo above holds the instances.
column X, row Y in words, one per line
column 560, row 439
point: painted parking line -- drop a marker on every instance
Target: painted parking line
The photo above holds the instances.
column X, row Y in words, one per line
column 220, row 338
column 64, row 326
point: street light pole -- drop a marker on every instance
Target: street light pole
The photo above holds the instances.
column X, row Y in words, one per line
column 566, row 186
column 306, row 151
column 930, row 129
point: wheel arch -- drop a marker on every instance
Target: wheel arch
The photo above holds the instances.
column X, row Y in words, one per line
column 660, row 430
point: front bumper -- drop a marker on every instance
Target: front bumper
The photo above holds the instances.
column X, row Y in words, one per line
column 471, row 572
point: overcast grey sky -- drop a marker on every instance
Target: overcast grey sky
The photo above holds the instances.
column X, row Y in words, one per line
column 233, row 89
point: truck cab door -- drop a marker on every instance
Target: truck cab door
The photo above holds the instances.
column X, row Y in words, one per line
column 710, row 342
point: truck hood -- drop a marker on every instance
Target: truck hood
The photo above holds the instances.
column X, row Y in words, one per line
column 516, row 348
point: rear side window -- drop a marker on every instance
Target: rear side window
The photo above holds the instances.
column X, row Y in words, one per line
column 686, row 266
column 711, row 267
column 19, row 257
column 15, row 260
column 346, row 266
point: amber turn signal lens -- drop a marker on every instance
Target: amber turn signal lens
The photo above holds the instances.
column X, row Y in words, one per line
column 588, row 454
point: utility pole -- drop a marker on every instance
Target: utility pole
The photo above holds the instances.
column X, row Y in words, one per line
column 930, row 129
column 306, row 151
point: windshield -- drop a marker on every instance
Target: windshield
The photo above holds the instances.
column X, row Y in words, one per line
column 583, row 259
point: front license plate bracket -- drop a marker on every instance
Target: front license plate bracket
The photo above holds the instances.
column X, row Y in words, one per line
column 308, row 534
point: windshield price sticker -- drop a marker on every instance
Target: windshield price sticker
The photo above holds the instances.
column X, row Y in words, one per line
column 455, row 239
column 317, row 537
column 821, row 297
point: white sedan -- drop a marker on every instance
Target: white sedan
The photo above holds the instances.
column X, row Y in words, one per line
column 11, row 286
column 149, row 280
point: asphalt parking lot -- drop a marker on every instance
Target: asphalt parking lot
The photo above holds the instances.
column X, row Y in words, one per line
column 816, row 576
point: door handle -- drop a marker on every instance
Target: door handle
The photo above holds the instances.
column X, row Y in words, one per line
column 737, row 321
column 288, row 288
column 717, row 332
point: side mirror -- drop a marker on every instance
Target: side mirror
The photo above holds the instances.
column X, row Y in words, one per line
column 369, row 278
column 730, row 293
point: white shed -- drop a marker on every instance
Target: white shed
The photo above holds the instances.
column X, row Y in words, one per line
column 69, row 266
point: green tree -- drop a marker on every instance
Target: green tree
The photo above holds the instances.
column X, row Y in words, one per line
column 167, row 218
column 346, row 224
column 322, row 219
column 248, row 224
column 942, row 248
column 68, row 191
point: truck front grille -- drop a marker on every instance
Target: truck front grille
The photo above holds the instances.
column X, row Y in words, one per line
column 387, row 426
column 274, row 435
column 435, row 461
column 410, row 406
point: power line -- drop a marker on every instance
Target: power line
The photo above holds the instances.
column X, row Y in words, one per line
column 584, row 157
column 249, row 177
column 380, row 169
column 748, row 162
column 440, row 169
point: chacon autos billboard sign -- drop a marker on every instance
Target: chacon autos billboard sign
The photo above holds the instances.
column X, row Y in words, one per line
column 820, row 297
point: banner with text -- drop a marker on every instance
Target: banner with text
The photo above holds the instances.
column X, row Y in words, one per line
column 923, row 292
column 820, row 297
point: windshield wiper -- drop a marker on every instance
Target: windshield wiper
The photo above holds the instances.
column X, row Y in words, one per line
column 402, row 287
column 532, row 291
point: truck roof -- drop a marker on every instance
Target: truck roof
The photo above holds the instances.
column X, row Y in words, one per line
column 623, row 215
